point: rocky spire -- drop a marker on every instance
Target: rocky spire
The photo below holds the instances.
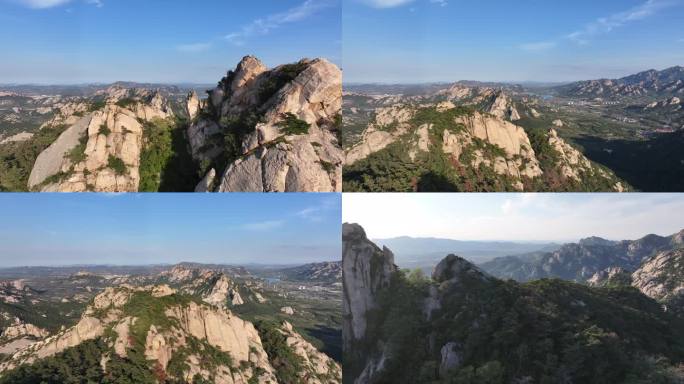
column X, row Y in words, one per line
column 366, row 269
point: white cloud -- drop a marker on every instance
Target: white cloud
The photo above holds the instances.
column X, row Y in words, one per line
column 609, row 23
column 441, row 3
column 97, row 3
column 264, row 225
column 194, row 48
column 263, row 26
column 538, row 46
column 317, row 213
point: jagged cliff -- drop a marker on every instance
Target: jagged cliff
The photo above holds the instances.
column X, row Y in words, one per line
column 463, row 325
column 271, row 130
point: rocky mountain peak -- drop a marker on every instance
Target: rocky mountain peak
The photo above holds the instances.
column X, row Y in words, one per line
column 281, row 126
column 454, row 269
column 594, row 241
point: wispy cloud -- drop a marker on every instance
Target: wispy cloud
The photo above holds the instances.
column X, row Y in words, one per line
column 263, row 26
column 194, row 48
column 44, row 4
column 441, row 3
column 538, row 46
column 607, row 24
column 266, row 225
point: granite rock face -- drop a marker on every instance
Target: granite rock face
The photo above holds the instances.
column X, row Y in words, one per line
column 282, row 124
column 101, row 151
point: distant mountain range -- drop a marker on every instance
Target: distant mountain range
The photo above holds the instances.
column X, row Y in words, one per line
column 580, row 261
column 668, row 82
column 426, row 252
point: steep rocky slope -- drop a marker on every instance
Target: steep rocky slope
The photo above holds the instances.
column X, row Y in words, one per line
column 463, row 325
column 444, row 147
column 660, row 277
column 154, row 334
column 580, row 261
column 271, row 130
column 100, row 152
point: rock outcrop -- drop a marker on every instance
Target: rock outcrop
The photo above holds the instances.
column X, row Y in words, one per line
column 501, row 106
column 20, row 329
column 518, row 159
column 661, row 277
column 280, row 124
column 101, row 151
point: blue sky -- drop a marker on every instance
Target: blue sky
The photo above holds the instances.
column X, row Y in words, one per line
column 133, row 229
column 523, row 217
column 414, row 41
column 78, row 41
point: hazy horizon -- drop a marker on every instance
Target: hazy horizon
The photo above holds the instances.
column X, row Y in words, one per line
column 432, row 40
column 515, row 217
column 146, row 229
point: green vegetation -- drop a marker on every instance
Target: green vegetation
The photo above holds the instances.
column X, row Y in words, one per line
column 117, row 165
column 393, row 170
column 233, row 130
column 17, row 159
column 77, row 154
column 547, row 331
column 165, row 161
column 104, row 130
column 127, row 102
column 287, row 363
column 75, row 365
column 96, row 105
column 441, row 121
column 278, row 79
column 291, row 125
